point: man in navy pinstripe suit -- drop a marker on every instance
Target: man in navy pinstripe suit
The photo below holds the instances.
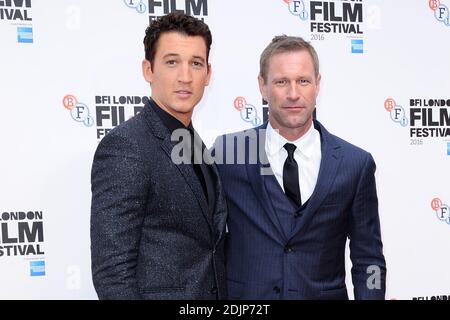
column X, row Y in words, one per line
column 296, row 193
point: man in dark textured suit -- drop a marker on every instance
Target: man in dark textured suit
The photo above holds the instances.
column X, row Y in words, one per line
column 157, row 224
column 296, row 193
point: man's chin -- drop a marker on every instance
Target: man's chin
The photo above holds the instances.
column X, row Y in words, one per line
column 296, row 124
column 184, row 108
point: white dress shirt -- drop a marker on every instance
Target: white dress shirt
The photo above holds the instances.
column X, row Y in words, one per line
column 307, row 154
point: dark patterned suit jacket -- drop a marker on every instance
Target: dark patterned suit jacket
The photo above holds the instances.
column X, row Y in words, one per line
column 153, row 235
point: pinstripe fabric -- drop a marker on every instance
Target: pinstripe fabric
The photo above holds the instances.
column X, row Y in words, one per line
column 309, row 263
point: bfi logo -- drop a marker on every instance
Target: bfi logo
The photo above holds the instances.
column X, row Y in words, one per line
column 78, row 110
column 441, row 11
column 442, row 210
column 247, row 111
column 396, row 111
column 137, row 5
column 298, row 8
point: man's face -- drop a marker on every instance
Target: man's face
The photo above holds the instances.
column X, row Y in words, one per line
column 291, row 90
column 179, row 75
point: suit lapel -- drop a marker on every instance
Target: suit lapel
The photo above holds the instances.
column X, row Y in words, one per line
column 256, row 179
column 219, row 208
column 187, row 171
column 329, row 165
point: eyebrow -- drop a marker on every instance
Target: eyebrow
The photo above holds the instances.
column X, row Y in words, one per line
column 297, row 78
column 199, row 58
column 171, row 55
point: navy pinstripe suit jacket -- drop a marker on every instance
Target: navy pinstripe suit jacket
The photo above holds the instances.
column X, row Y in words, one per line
column 309, row 263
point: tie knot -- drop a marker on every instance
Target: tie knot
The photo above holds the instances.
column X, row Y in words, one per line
column 290, row 148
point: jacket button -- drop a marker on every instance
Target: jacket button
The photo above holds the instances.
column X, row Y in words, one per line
column 276, row 289
column 288, row 249
column 297, row 215
column 213, row 290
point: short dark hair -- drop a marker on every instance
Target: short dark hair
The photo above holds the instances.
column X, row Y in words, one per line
column 284, row 43
column 175, row 22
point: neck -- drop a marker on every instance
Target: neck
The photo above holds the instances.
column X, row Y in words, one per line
column 183, row 117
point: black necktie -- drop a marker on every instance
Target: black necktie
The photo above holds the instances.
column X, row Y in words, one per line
column 290, row 176
column 200, row 168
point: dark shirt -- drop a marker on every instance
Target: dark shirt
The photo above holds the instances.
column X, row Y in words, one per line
column 172, row 124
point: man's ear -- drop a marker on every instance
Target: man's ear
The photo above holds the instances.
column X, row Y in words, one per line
column 319, row 77
column 208, row 77
column 262, row 87
column 147, row 71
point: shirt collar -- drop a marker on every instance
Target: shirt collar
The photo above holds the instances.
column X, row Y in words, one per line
column 169, row 121
column 305, row 144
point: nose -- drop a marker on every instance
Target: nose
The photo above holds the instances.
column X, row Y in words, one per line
column 293, row 92
column 185, row 73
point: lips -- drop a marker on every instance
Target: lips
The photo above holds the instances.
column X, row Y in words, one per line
column 293, row 107
column 183, row 93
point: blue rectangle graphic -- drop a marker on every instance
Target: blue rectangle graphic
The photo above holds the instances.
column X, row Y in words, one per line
column 448, row 148
column 37, row 268
column 357, row 46
column 24, row 34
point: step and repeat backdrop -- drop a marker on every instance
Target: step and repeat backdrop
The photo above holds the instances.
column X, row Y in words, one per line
column 70, row 71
